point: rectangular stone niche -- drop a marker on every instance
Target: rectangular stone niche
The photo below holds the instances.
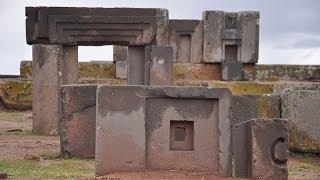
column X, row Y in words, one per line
column 163, row 128
column 181, row 135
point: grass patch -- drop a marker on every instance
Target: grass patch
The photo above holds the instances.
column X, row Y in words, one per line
column 13, row 116
column 304, row 163
column 58, row 168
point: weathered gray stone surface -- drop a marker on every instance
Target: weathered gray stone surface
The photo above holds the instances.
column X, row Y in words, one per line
column 266, row 143
column 120, row 53
column 150, row 65
column 96, row 26
column 52, row 66
column 133, row 129
column 224, row 29
column 121, row 69
column 77, row 125
column 186, row 38
column 244, row 108
column 301, row 108
column 158, row 66
column 136, row 65
column 232, row 71
column 212, row 42
column 249, row 28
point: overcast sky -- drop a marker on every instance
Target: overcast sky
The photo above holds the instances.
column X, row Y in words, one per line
column 289, row 29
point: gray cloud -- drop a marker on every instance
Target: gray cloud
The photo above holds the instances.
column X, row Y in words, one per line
column 307, row 43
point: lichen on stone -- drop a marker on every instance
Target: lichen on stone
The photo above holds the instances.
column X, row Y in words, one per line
column 16, row 94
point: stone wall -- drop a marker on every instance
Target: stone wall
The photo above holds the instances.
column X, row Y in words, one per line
column 260, row 80
column 201, row 71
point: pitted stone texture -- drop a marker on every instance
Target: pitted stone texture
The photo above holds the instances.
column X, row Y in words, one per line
column 244, row 108
column 232, row 71
column 77, row 120
column 133, row 129
column 224, row 29
column 266, row 142
column 52, row 66
column 269, row 140
column 96, row 26
column 301, row 108
column 186, row 38
column 159, row 65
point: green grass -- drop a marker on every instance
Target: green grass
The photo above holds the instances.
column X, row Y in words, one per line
column 58, row 168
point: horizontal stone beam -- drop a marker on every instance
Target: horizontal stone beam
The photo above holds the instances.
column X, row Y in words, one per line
column 96, row 26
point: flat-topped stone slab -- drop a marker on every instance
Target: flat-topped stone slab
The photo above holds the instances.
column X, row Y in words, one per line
column 161, row 128
column 96, row 26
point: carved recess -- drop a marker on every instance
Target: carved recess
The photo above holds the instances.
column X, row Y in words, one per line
column 96, row 26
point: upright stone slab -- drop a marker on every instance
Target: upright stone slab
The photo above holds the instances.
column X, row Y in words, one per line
column 77, row 124
column 136, row 65
column 186, row 38
column 50, row 64
column 120, row 56
column 159, row 65
column 157, row 128
column 212, row 32
column 120, row 131
column 150, row 65
column 301, row 108
column 267, row 144
column 242, row 109
column 249, row 28
column 231, row 35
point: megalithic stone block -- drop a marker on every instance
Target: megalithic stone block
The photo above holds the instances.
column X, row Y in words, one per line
column 249, row 28
column 96, row 26
column 224, row 31
column 267, row 141
column 243, row 108
column 136, row 65
column 159, row 128
column 159, row 65
column 212, row 33
column 53, row 66
column 301, row 108
column 186, row 38
column 77, row 125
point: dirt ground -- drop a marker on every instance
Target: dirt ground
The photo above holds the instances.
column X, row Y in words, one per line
column 27, row 155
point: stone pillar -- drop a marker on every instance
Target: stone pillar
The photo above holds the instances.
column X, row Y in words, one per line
column 120, row 56
column 53, row 65
column 136, row 65
column 69, row 66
